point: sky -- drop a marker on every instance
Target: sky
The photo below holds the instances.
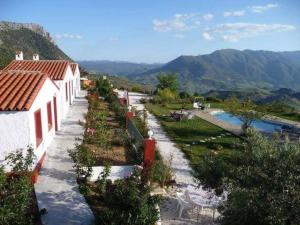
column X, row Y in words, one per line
column 158, row 31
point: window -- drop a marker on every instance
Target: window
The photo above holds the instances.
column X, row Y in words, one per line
column 49, row 114
column 38, row 127
column 66, row 91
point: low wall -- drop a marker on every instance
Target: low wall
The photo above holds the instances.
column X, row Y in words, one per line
column 116, row 172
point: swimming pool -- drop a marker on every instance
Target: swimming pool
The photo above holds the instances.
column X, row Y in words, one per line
column 261, row 125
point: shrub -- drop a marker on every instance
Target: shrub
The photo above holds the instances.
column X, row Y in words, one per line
column 161, row 172
column 136, row 89
column 16, row 190
column 213, row 99
column 165, row 95
column 129, row 202
column 83, row 161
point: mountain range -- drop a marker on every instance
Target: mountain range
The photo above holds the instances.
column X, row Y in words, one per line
column 226, row 69
column 29, row 38
column 120, row 68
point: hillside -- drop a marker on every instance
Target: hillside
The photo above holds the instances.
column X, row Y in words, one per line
column 231, row 69
column 261, row 96
column 30, row 38
column 117, row 67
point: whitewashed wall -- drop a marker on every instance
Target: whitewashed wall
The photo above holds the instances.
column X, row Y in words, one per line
column 14, row 132
column 65, row 105
column 117, row 172
column 17, row 128
column 77, row 81
column 45, row 95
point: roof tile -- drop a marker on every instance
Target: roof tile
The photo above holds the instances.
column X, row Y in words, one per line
column 18, row 89
column 56, row 69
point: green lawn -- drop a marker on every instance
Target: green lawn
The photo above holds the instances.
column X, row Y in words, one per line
column 187, row 135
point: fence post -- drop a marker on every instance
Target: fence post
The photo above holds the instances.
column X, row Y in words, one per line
column 149, row 151
column 128, row 116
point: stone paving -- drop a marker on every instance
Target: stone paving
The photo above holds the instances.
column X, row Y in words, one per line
column 56, row 189
column 170, row 153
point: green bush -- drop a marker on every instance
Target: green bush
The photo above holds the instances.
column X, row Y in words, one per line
column 16, row 190
column 83, row 161
column 128, row 202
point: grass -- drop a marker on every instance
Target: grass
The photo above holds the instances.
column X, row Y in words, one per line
column 188, row 133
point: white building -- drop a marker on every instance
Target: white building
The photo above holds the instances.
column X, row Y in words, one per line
column 30, row 106
column 58, row 70
column 76, row 73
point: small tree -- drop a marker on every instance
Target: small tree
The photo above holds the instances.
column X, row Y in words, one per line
column 246, row 111
column 104, row 87
column 263, row 184
column 167, row 81
column 166, row 95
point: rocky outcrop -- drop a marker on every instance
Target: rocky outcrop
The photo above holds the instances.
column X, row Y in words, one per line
column 4, row 25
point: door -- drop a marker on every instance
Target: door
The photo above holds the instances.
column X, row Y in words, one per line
column 49, row 116
column 70, row 99
column 55, row 113
column 38, row 127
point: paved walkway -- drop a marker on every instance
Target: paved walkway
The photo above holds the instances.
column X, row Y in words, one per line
column 57, row 189
column 179, row 164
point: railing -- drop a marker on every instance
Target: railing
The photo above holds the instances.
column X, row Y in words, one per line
column 135, row 134
column 137, row 138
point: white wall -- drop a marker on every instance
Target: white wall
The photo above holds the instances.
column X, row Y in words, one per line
column 45, row 95
column 62, row 93
column 14, row 132
column 77, row 81
column 17, row 128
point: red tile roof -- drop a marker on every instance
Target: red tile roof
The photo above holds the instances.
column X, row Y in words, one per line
column 18, row 89
column 56, row 69
column 73, row 67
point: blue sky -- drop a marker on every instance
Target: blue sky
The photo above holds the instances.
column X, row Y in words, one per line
column 160, row 30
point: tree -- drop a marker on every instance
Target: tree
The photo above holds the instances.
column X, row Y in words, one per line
column 104, row 87
column 166, row 95
column 167, row 81
column 246, row 110
column 263, row 184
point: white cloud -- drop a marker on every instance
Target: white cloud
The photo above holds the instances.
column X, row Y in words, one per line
column 234, row 13
column 263, row 8
column 208, row 16
column 207, row 36
column 236, row 31
column 180, row 22
column 68, row 36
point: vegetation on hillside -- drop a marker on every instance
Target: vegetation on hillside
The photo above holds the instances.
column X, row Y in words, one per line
column 229, row 69
column 29, row 42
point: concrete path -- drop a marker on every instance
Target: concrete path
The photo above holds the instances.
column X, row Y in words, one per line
column 179, row 164
column 57, row 189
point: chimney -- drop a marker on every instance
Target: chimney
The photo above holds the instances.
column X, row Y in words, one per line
column 19, row 55
column 35, row 57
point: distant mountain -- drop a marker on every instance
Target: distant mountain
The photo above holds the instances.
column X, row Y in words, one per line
column 29, row 38
column 230, row 69
column 117, row 67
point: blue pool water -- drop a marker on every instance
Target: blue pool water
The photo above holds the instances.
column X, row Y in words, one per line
column 260, row 125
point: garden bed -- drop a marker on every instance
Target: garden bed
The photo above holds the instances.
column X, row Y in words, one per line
column 105, row 137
